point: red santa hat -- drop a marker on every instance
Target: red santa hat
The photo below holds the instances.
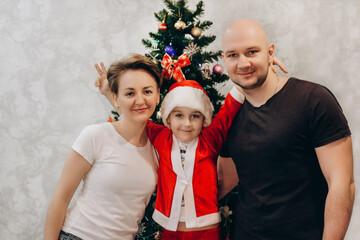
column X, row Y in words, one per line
column 187, row 93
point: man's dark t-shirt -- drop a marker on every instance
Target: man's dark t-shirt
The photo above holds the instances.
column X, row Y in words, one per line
column 282, row 190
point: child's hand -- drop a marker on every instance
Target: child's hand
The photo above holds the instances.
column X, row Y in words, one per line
column 280, row 64
column 101, row 81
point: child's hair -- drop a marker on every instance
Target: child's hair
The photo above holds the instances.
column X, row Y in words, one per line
column 188, row 93
column 132, row 61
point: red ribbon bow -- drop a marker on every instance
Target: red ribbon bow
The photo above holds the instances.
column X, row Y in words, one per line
column 173, row 68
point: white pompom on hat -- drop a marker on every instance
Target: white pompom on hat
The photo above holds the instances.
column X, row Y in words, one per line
column 187, row 93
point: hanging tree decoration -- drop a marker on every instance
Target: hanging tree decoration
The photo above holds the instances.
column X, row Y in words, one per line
column 153, row 55
column 180, row 25
column 170, row 50
column 158, row 115
column 156, row 45
column 206, row 71
column 172, row 68
column 162, row 26
column 196, row 32
column 191, row 49
column 218, row 69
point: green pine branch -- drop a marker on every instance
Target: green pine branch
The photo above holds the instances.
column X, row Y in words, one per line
column 173, row 6
column 205, row 25
column 212, row 56
column 160, row 16
column 199, row 12
column 205, row 41
column 147, row 43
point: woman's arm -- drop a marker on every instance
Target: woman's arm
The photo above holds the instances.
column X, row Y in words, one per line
column 75, row 168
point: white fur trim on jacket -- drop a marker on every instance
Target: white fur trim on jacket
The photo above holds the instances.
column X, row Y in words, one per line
column 183, row 187
column 239, row 96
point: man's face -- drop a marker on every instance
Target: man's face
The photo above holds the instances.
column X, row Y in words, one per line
column 247, row 57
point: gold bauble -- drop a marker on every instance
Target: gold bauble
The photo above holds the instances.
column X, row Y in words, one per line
column 179, row 25
column 196, row 32
column 158, row 115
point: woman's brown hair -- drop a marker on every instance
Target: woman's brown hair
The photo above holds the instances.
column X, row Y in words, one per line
column 131, row 62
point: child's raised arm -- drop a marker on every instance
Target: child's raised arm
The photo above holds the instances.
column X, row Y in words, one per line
column 216, row 133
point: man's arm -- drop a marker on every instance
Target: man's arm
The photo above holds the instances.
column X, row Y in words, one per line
column 336, row 162
column 102, row 83
column 227, row 176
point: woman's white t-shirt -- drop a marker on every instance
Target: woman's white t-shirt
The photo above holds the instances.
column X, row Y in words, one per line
column 117, row 188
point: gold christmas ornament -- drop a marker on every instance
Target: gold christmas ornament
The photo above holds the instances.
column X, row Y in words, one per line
column 196, row 32
column 158, row 115
column 179, row 25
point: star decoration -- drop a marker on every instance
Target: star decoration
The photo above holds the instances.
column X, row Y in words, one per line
column 191, row 49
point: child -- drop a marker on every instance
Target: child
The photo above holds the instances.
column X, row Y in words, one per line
column 188, row 146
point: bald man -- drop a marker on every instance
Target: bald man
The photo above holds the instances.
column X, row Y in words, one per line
column 291, row 146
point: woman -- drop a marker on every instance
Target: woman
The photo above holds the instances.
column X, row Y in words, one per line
column 116, row 161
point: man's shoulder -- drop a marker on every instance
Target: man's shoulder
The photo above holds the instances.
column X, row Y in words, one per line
column 304, row 84
column 305, row 89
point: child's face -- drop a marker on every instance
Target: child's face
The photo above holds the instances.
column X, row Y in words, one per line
column 186, row 123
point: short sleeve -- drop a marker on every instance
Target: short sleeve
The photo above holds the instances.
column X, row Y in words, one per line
column 327, row 122
column 224, row 152
column 85, row 144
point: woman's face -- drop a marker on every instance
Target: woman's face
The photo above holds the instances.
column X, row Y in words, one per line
column 138, row 95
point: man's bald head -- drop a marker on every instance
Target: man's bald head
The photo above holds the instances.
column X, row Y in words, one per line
column 244, row 30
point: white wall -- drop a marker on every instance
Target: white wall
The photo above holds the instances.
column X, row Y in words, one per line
column 47, row 53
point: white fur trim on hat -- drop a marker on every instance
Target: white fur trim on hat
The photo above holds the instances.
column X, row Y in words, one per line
column 186, row 96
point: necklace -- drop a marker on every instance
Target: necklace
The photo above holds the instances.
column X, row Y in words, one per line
column 277, row 84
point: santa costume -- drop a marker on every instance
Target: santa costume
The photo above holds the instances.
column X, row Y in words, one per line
column 188, row 192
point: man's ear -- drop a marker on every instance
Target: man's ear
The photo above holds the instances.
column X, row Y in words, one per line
column 271, row 53
column 222, row 55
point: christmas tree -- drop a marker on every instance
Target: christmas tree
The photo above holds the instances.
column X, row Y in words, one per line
column 178, row 49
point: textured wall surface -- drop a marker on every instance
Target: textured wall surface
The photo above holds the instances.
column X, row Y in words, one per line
column 47, row 53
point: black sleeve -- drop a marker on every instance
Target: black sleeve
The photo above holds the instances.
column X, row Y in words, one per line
column 224, row 152
column 327, row 122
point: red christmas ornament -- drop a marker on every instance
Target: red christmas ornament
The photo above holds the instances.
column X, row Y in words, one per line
column 172, row 68
column 218, row 69
column 162, row 26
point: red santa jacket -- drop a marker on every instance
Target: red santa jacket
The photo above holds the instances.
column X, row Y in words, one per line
column 197, row 181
